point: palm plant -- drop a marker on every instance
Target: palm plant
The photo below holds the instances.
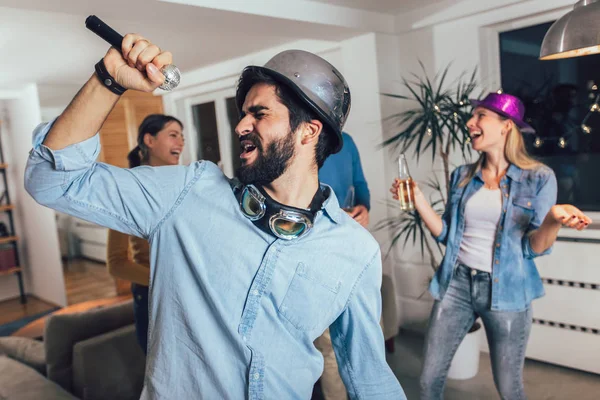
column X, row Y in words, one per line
column 436, row 122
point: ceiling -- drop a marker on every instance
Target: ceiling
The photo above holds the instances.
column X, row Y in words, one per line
column 46, row 42
column 383, row 6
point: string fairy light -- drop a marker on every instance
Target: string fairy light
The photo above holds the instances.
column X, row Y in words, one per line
column 562, row 143
column 586, row 128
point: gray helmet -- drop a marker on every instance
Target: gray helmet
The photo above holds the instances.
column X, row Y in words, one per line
column 318, row 83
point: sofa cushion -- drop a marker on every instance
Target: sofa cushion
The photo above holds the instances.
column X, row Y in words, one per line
column 19, row 382
column 28, row 351
column 109, row 366
column 62, row 332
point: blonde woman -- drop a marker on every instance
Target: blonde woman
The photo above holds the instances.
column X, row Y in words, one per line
column 499, row 216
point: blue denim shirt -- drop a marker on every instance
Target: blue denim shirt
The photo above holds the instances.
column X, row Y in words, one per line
column 233, row 311
column 527, row 196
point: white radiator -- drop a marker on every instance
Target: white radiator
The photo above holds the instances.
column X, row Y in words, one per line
column 81, row 238
column 566, row 322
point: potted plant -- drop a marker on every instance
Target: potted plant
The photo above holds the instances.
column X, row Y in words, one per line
column 437, row 122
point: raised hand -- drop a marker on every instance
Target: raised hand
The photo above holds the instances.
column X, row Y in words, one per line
column 569, row 216
column 137, row 66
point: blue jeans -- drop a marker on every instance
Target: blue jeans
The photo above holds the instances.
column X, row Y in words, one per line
column 467, row 298
column 140, row 313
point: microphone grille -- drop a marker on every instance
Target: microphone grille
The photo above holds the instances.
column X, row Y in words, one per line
column 172, row 77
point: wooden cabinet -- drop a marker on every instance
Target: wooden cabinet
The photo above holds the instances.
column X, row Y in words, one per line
column 119, row 132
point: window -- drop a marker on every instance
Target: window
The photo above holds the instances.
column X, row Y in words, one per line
column 205, row 121
column 233, row 117
column 563, row 105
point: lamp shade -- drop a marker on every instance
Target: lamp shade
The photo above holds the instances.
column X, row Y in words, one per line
column 575, row 34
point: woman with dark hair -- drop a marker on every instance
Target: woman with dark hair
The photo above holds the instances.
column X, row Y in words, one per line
column 160, row 143
column 500, row 215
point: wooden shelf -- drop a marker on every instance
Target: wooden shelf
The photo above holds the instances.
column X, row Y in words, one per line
column 7, row 207
column 10, row 271
column 8, row 239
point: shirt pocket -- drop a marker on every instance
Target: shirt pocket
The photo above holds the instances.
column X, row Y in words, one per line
column 309, row 298
column 523, row 211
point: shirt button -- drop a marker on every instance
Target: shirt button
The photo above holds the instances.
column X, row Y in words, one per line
column 497, row 261
column 529, row 204
column 506, row 195
column 497, row 244
column 496, row 280
column 473, row 272
column 255, row 292
column 256, row 376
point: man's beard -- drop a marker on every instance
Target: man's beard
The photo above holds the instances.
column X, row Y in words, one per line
column 270, row 164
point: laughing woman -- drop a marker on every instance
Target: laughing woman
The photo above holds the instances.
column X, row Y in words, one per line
column 499, row 216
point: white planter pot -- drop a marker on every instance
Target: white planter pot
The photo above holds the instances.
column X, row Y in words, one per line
column 465, row 363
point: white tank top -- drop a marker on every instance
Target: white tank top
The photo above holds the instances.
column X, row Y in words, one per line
column 482, row 214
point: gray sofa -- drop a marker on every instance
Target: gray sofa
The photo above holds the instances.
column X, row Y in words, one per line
column 91, row 355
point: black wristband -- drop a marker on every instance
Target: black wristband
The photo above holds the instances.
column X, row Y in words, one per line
column 108, row 80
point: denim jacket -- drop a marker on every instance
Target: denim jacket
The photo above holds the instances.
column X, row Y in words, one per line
column 527, row 196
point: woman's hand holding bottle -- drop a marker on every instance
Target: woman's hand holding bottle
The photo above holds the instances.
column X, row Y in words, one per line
column 432, row 220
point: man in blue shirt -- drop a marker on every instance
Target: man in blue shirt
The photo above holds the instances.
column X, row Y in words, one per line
column 244, row 276
column 343, row 172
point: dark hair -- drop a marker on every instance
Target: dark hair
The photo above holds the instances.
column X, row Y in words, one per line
column 134, row 157
column 152, row 124
column 299, row 112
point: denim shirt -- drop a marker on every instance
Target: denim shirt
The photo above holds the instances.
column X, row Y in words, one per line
column 233, row 311
column 527, row 196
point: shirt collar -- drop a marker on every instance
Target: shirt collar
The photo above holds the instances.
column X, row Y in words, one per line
column 331, row 207
column 513, row 172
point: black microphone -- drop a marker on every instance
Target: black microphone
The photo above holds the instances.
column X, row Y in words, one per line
column 107, row 33
column 100, row 28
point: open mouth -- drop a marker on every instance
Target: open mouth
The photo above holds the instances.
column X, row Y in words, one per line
column 176, row 153
column 247, row 148
column 475, row 135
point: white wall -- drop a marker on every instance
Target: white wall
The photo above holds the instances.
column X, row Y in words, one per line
column 360, row 68
column 36, row 228
column 398, row 57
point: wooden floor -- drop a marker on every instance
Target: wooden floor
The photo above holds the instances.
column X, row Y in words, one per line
column 12, row 310
column 87, row 280
column 84, row 280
